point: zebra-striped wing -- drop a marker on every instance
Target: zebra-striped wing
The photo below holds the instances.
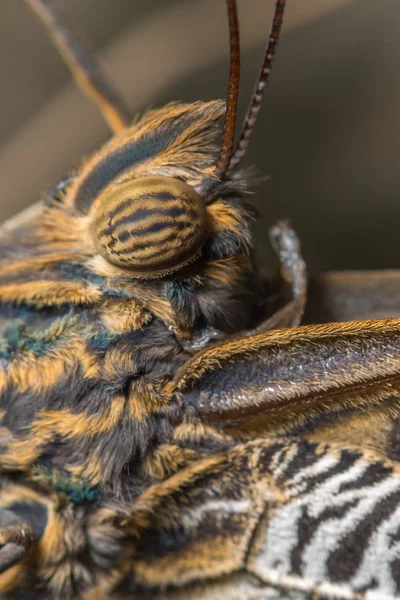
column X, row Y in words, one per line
column 337, row 534
column 313, row 515
column 303, row 502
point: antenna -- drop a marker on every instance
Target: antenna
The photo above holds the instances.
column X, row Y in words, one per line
column 233, row 90
column 83, row 66
column 255, row 103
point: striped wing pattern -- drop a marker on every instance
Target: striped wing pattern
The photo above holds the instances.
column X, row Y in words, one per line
column 280, row 521
column 337, row 536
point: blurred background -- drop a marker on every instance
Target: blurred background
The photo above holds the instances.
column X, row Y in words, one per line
column 328, row 137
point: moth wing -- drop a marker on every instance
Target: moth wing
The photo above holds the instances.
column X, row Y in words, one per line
column 198, row 525
column 284, row 515
column 303, row 371
column 309, row 484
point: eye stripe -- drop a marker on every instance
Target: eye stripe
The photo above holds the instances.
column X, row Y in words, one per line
column 156, row 200
column 154, row 225
column 162, row 246
column 137, row 247
column 157, row 227
column 147, row 258
column 150, row 225
column 142, row 213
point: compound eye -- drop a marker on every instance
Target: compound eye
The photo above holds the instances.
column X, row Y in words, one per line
column 151, row 226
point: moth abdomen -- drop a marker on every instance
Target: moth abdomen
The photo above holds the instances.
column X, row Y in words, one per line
column 150, row 226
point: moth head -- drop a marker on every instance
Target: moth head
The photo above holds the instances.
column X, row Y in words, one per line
column 141, row 207
column 154, row 199
column 154, row 194
column 150, row 226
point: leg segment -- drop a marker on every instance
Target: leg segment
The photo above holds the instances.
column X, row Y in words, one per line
column 293, row 280
column 16, row 537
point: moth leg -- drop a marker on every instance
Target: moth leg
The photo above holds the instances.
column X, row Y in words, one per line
column 83, row 66
column 293, row 275
column 16, row 537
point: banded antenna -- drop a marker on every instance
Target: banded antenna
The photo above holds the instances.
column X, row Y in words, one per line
column 255, row 103
column 83, row 66
column 233, row 90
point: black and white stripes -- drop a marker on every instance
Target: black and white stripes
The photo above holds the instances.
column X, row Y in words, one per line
column 338, row 534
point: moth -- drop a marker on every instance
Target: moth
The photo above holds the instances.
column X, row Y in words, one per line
column 168, row 428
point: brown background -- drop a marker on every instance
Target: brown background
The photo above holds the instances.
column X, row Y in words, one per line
column 328, row 136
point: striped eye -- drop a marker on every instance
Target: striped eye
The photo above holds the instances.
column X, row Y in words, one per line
column 151, row 226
